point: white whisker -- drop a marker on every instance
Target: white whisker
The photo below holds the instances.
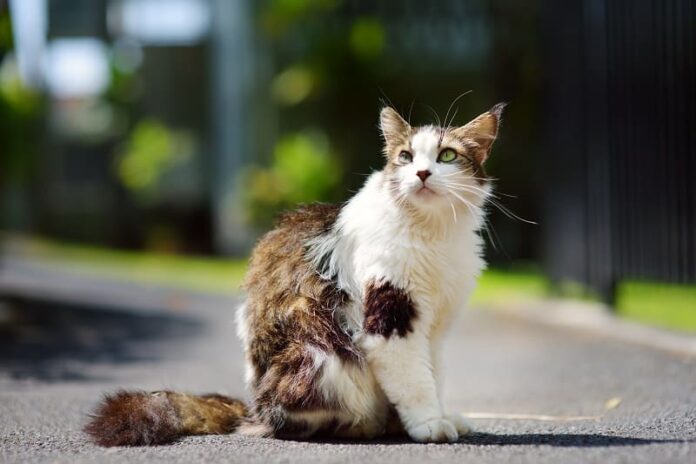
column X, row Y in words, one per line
column 472, row 187
column 468, row 205
column 463, row 188
column 453, row 103
column 488, row 227
column 491, row 199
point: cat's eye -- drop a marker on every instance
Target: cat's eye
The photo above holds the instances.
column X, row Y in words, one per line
column 405, row 157
column 447, row 156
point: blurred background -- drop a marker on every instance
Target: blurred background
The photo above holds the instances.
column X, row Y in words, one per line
column 155, row 140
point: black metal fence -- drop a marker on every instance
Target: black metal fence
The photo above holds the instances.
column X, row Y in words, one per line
column 621, row 141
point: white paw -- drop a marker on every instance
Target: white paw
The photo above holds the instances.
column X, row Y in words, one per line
column 435, row 430
column 462, row 425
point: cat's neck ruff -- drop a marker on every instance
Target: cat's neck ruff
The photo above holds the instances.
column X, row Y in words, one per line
column 373, row 227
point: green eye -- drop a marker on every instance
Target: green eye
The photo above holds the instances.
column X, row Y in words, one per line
column 405, row 157
column 447, row 155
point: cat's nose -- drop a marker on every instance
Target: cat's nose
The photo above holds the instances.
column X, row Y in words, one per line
column 423, row 174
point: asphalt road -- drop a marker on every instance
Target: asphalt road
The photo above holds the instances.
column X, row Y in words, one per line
column 56, row 360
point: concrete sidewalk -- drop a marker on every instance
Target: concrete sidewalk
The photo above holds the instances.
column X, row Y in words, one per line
column 537, row 393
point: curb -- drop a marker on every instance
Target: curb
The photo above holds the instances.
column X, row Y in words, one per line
column 598, row 319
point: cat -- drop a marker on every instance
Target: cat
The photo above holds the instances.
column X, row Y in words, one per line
column 346, row 306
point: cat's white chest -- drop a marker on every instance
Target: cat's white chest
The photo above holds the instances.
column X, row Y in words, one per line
column 442, row 274
column 436, row 264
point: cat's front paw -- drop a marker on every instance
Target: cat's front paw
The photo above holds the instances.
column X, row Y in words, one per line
column 462, row 425
column 434, row 431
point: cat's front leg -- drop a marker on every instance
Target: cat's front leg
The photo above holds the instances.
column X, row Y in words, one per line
column 463, row 426
column 399, row 355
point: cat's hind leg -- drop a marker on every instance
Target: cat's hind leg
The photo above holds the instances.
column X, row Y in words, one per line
column 350, row 386
column 309, row 390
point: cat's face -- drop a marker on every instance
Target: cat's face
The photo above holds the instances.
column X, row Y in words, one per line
column 432, row 167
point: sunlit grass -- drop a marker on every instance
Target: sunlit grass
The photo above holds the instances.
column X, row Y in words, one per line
column 665, row 305
column 498, row 286
column 214, row 275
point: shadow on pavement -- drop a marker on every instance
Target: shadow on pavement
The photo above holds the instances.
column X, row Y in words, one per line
column 52, row 341
column 560, row 440
column 533, row 439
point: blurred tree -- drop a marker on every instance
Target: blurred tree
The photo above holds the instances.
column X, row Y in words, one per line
column 319, row 53
column 151, row 150
column 303, row 170
column 5, row 29
column 20, row 119
column 20, row 110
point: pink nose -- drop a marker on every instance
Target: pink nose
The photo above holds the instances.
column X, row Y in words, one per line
column 423, row 175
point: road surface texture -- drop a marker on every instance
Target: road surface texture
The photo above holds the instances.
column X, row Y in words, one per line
column 57, row 359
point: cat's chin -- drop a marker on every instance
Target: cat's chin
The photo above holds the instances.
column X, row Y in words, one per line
column 426, row 193
column 428, row 199
column 427, row 196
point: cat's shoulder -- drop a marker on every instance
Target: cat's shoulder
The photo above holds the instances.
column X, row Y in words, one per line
column 310, row 219
column 283, row 249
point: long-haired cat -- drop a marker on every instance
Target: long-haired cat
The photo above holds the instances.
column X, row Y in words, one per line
column 346, row 306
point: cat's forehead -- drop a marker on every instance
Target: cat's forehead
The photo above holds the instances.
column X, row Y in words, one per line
column 425, row 139
column 429, row 138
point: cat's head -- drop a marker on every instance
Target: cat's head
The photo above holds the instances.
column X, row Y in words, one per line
column 432, row 168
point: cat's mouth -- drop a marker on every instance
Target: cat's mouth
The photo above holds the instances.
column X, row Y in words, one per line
column 425, row 191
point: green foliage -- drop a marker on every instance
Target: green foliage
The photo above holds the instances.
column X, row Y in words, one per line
column 367, row 37
column 6, row 42
column 293, row 85
column 303, row 170
column 280, row 15
column 18, row 99
column 151, row 151
column 20, row 117
column 329, row 64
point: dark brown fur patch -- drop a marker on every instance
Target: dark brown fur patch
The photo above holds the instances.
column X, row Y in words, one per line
column 134, row 419
column 290, row 314
column 388, row 310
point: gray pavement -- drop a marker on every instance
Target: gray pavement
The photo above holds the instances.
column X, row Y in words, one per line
column 57, row 359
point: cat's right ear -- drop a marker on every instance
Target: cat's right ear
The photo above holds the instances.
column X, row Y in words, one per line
column 394, row 128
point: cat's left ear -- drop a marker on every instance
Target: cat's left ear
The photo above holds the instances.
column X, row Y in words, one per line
column 482, row 131
column 394, row 128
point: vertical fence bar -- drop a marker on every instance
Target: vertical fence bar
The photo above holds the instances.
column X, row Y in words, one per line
column 635, row 136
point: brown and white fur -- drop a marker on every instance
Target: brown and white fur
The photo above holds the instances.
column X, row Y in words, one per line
column 346, row 306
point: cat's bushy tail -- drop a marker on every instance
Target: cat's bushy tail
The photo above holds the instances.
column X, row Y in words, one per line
column 138, row 418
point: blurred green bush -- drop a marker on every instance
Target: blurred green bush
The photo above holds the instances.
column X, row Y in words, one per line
column 152, row 149
column 303, row 170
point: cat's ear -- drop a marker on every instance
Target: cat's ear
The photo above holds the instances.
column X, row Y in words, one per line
column 394, row 128
column 482, row 131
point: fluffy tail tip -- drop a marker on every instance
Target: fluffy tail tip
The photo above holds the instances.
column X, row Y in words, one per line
column 134, row 418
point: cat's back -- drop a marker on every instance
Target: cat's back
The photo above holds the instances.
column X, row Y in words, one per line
column 308, row 220
column 283, row 250
column 281, row 278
